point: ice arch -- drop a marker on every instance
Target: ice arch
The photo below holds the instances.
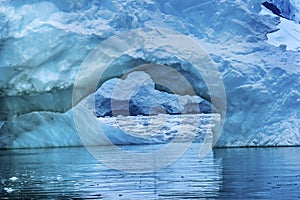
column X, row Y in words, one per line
column 262, row 81
column 59, row 99
column 154, row 45
column 120, row 54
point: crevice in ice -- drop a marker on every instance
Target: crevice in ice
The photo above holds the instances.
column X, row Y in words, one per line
column 273, row 8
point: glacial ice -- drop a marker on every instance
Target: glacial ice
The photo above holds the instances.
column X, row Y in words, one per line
column 47, row 129
column 44, row 43
column 58, row 130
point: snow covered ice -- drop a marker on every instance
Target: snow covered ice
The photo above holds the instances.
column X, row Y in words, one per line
column 42, row 50
column 287, row 37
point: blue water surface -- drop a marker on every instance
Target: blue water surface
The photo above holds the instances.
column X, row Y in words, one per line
column 73, row 173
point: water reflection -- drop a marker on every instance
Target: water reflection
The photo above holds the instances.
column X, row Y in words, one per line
column 225, row 174
column 74, row 173
column 260, row 173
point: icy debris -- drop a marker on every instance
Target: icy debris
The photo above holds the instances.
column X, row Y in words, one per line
column 163, row 128
column 13, row 178
column 59, row 178
column 8, row 190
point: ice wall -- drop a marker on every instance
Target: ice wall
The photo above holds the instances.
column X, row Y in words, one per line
column 43, row 44
column 48, row 129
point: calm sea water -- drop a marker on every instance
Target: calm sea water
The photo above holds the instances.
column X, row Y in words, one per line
column 72, row 173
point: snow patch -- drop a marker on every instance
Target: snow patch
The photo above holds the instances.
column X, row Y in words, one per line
column 288, row 35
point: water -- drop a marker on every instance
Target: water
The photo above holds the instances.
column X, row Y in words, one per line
column 66, row 173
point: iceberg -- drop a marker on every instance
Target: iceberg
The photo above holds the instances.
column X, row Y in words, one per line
column 43, row 44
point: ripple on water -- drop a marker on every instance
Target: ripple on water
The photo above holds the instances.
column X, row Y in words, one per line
column 262, row 173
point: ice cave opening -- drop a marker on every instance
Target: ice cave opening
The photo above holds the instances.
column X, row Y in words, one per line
column 150, row 92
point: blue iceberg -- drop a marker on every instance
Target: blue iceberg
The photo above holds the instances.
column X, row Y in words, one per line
column 43, row 43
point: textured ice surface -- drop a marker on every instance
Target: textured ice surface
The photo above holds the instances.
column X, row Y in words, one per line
column 58, row 130
column 43, row 44
column 163, row 128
